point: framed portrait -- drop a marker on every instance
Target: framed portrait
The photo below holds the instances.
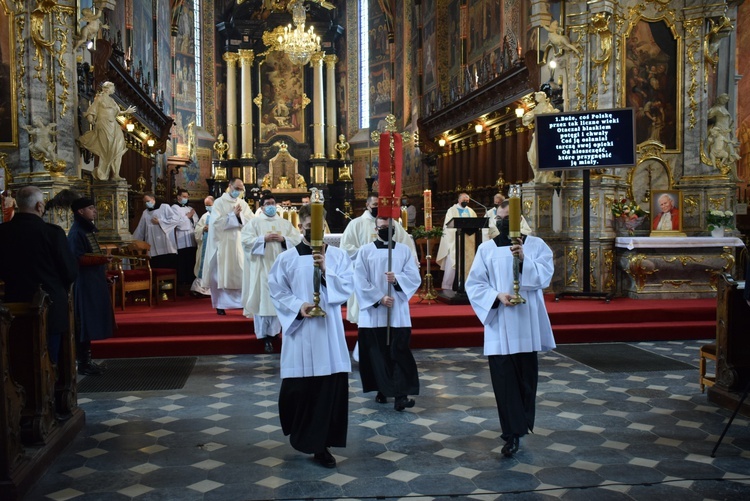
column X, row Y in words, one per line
column 652, row 69
column 666, row 213
column 8, row 105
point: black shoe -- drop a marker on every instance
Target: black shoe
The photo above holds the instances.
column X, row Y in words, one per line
column 510, row 447
column 219, row 311
column 269, row 345
column 402, row 403
column 326, row 459
column 90, row 369
column 381, row 399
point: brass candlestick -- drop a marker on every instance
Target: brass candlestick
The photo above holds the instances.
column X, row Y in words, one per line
column 429, row 294
column 316, row 241
column 514, row 220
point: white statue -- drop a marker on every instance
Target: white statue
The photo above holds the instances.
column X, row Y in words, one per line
column 106, row 139
column 542, row 106
column 93, row 25
column 42, row 146
column 722, row 147
column 558, row 40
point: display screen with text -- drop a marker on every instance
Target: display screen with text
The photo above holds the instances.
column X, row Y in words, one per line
column 594, row 139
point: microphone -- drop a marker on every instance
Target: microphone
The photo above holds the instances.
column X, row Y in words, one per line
column 482, row 205
column 344, row 213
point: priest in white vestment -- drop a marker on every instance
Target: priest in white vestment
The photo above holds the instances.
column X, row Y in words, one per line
column 200, row 286
column 386, row 365
column 224, row 260
column 315, row 364
column 186, row 244
column 263, row 238
column 446, row 254
column 361, row 231
column 513, row 334
column 156, row 228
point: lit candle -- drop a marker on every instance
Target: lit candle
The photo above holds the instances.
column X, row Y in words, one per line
column 294, row 218
column 404, row 218
column 316, row 227
column 514, row 210
column 427, row 210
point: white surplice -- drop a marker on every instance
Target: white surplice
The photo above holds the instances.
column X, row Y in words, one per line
column 160, row 235
column 313, row 346
column 446, row 253
column 223, row 263
column 521, row 328
column 184, row 232
column 359, row 232
column 370, row 285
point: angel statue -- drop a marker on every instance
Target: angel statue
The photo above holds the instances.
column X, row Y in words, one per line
column 722, row 147
column 558, row 40
column 42, row 146
column 93, row 25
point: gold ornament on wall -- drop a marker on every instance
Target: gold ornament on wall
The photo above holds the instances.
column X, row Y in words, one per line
column 600, row 26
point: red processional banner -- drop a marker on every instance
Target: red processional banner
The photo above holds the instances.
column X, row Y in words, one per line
column 389, row 176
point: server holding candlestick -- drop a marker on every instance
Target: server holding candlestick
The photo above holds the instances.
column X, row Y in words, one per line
column 514, row 330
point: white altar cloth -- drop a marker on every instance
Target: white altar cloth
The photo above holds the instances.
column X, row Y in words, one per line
column 631, row 243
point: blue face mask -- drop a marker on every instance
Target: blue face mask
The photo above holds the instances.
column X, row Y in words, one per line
column 150, row 205
column 269, row 210
column 184, row 201
column 209, row 208
column 234, row 193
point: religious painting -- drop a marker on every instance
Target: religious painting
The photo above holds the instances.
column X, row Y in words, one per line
column 8, row 106
column 454, row 36
column 666, row 212
column 430, row 61
column 282, row 109
column 162, row 88
column 143, row 40
column 476, row 21
column 652, row 66
column 380, row 91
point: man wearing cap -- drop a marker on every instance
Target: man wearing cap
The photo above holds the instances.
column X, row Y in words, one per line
column 92, row 303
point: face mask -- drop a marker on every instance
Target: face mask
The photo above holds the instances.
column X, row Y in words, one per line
column 234, row 193
column 269, row 210
column 209, row 208
column 184, row 201
column 308, row 235
column 503, row 226
column 404, row 201
column 374, row 212
column 464, row 204
column 149, row 205
column 383, row 234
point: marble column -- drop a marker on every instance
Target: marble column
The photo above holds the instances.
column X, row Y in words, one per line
column 231, row 60
column 330, row 61
column 246, row 63
column 318, row 99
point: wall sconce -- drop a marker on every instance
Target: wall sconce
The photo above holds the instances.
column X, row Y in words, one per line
column 478, row 128
column 441, row 142
column 552, row 66
column 150, row 142
column 130, row 126
column 520, row 111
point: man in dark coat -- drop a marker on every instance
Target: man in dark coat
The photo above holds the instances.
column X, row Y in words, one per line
column 35, row 253
column 93, row 306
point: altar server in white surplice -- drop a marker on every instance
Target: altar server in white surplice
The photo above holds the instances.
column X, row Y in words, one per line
column 156, row 228
column 315, row 365
column 224, row 259
column 263, row 238
column 361, row 231
column 186, row 244
column 386, row 366
column 513, row 334
column 446, row 254
column 200, row 286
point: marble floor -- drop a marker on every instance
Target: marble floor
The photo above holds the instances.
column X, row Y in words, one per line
column 598, row 436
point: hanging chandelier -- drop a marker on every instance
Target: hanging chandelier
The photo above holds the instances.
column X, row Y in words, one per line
column 298, row 44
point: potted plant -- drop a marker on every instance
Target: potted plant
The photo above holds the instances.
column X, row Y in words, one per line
column 629, row 214
column 718, row 220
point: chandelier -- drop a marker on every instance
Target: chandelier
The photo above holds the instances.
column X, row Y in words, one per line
column 299, row 44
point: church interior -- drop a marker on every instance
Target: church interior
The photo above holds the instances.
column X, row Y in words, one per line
column 119, row 99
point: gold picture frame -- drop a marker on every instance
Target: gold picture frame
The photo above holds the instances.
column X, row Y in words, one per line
column 8, row 98
column 652, row 69
column 665, row 202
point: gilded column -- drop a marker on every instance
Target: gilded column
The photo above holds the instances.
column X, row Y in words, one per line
column 246, row 126
column 330, row 61
column 318, row 118
column 231, row 60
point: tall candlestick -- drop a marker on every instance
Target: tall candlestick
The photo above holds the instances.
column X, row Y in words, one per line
column 316, row 240
column 404, row 218
column 427, row 210
column 514, row 211
column 316, row 224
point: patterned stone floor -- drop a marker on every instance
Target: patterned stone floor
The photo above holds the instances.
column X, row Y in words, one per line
column 598, row 436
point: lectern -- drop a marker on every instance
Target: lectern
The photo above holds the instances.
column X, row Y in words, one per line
column 463, row 226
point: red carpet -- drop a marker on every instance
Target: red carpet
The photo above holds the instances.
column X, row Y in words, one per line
column 191, row 327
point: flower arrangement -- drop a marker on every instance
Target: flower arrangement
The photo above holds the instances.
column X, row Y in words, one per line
column 419, row 232
column 716, row 218
column 626, row 209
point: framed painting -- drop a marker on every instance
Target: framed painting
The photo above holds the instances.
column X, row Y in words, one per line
column 666, row 213
column 652, row 69
column 282, row 111
column 8, row 105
